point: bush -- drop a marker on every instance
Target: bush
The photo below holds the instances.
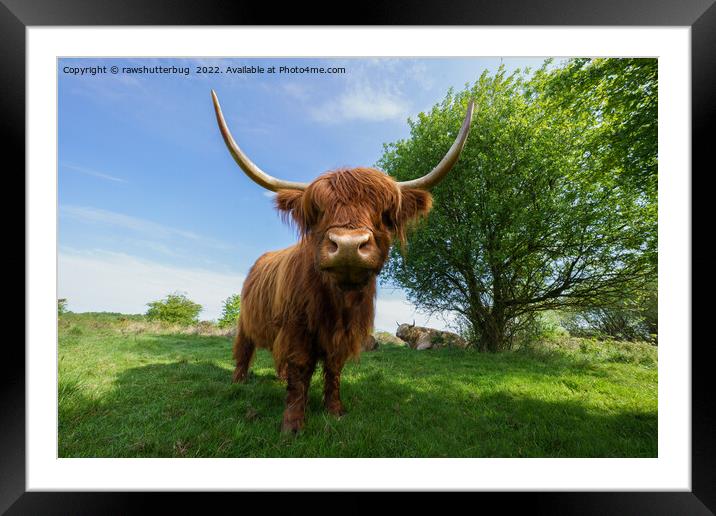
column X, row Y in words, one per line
column 230, row 311
column 633, row 317
column 539, row 327
column 586, row 351
column 61, row 306
column 176, row 308
column 621, row 323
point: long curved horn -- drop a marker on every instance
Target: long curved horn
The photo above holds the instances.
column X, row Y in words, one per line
column 436, row 175
column 248, row 166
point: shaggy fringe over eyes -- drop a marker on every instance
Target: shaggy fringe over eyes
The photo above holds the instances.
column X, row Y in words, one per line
column 355, row 197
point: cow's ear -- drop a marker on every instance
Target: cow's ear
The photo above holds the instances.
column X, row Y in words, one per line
column 288, row 200
column 414, row 204
column 291, row 204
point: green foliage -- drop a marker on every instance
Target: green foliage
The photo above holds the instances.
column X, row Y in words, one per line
column 552, row 204
column 621, row 94
column 152, row 394
column 230, row 311
column 540, row 327
column 176, row 308
column 61, row 306
column 616, row 322
column 75, row 331
column 633, row 318
column 648, row 310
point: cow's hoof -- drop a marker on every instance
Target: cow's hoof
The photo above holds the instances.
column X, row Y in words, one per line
column 336, row 410
column 239, row 377
column 291, row 427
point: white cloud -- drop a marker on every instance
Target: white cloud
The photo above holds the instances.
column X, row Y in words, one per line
column 418, row 73
column 152, row 229
column 362, row 101
column 296, row 90
column 374, row 90
column 94, row 281
column 95, row 173
column 89, row 214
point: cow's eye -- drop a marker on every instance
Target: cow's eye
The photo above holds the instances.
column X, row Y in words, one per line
column 387, row 220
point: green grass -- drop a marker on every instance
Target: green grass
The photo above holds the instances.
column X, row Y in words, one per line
column 128, row 390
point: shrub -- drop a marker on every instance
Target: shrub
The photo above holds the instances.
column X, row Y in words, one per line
column 61, row 306
column 230, row 311
column 633, row 317
column 622, row 323
column 176, row 308
column 585, row 351
column 539, row 327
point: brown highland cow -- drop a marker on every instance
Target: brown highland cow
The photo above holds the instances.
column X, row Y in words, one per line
column 419, row 337
column 314, row 301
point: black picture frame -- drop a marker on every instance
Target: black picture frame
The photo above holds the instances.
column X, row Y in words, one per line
column 700, row 15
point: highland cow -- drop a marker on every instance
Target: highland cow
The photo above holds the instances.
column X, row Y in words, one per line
column 419, row 337
column 314, row 301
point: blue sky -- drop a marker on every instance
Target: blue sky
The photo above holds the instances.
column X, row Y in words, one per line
column 151, row 202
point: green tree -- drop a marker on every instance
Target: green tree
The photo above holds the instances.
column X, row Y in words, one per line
column 175, row 308
column 230, row 311
column 61, row 306
column 535, row 216
column 622, row 96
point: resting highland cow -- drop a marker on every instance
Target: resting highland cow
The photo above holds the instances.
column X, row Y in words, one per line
column 419, row 337
column 314, row 301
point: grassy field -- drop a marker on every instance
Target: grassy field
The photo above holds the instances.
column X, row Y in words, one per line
column 131, row 389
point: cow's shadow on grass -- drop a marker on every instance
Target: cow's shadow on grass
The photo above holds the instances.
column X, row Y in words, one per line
column 190, row 408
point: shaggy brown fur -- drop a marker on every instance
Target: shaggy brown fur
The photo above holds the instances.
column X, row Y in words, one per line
column 296, row 310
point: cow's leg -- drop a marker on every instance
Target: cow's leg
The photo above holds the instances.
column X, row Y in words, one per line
column 244, row 349
column 332, row 387
column 299, row 380
column 282, row 372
